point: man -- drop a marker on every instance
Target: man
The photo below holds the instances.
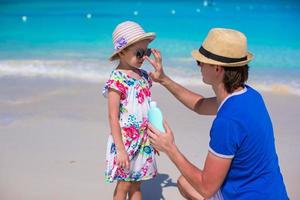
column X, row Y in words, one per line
column 241, row 162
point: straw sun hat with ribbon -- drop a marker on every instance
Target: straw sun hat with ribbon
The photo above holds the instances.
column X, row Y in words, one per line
column 224, row 47
column 126, row 34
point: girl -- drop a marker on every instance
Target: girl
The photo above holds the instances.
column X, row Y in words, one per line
column 129, row 157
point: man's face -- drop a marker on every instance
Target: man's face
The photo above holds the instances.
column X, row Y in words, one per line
column 208, row 72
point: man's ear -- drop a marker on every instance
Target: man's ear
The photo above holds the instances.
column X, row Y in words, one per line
column 218, row 68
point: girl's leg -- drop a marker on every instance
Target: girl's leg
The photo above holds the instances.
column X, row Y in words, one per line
column 135, row 191
column 121, row 190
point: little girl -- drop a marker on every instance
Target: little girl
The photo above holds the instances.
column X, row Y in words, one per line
column 130, row 157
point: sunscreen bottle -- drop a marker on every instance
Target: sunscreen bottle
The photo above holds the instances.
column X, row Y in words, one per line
column 155, row 117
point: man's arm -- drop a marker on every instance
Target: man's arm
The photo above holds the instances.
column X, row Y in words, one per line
column 207, row 181
column 192, row 100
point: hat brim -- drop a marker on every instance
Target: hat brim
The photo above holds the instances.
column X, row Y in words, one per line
column 200, row 57
column 147, row 36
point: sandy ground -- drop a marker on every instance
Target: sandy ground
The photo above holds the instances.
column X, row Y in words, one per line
column 53, row 138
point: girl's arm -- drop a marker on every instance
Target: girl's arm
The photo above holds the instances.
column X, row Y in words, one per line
column 113, row 114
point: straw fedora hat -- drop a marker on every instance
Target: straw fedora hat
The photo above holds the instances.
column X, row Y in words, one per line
column 126, row 34
column 224, row 47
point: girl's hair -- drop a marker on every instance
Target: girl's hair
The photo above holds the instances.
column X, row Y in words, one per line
column 235, row 77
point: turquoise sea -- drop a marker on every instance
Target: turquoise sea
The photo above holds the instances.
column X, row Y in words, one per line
column 63, row 39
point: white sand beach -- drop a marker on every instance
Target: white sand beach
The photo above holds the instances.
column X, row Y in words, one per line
column 53, row 138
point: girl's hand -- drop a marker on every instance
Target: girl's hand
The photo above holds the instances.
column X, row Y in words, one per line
column 159, row 74
column 161, row 141
column 123, row 159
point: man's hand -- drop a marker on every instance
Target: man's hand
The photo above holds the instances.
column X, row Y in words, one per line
column 158, row 75
column 161, row 141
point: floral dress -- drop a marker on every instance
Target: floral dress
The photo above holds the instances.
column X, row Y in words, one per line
column 134, row 105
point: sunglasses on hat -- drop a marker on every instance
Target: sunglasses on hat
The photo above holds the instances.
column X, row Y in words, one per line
column 140, row 53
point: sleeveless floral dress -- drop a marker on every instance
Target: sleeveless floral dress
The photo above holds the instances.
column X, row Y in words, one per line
column 134, row 105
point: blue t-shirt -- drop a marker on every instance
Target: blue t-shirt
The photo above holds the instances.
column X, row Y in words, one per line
column 242, row 130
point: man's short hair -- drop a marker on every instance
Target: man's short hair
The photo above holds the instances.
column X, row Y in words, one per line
column 235, row 77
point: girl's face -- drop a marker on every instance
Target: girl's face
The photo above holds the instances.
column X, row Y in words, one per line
column 133, row 55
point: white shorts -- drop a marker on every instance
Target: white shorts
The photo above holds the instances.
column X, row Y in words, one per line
column 217, row 196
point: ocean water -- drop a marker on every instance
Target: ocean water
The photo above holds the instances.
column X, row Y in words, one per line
column 72, row 39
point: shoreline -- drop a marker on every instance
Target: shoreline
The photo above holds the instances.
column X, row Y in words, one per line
column 278, row 80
